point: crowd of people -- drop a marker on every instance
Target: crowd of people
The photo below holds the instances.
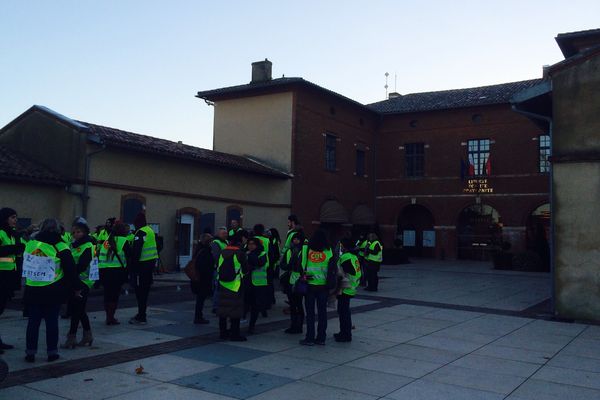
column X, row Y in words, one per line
column 238, row 268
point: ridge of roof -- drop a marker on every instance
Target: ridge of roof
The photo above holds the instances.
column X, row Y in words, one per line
column 16, row 166
column 452, row 98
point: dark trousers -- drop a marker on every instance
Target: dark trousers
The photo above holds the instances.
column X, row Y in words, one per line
column 296, row 311
column 49, row 313
column 3, row 301
column 316, row 296
column 343, row 309
column 372, row 272
column 112, row 291
column 141, row 281
column 200, row 298
column 78, row 312
column 234, row 330
column 363, row 277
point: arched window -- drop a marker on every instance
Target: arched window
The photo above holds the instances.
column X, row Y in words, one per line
column 131, row 205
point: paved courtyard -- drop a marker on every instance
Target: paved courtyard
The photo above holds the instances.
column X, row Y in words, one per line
column 420, row 337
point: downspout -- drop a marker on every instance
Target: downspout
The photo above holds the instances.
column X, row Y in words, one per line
column 528, row 114
column 86, row 180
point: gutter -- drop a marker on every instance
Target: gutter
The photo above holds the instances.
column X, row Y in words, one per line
column 548, row 120
column 93, row 138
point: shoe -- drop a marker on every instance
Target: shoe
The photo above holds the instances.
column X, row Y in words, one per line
column 264, row 314
column 113, row 321
column 238, row 338
column 53, row 357
column 70, row 343
column 320, row 342
column 138, row 321
column 306, row 342
column 87, row 339
column 4, row 346
column 250, row 331
column 65, row 316
column 30, row 358
column 201, row 321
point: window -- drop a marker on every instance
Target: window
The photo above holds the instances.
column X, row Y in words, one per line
column 360, row 163
column 415, row 159
column 131, row 206
column 479, row 157
column 544, row 162
column 330, row 142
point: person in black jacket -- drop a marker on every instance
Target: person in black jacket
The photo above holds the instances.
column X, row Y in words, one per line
column 292, row 264
column 43, row 299
column 258, row 294
column 11, row 249
column 205, row 267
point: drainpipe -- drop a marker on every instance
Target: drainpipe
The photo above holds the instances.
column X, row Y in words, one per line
column 528, row 114
column 86, row 180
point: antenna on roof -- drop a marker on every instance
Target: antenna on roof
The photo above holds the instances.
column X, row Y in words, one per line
column 395, row 82
column 386, row 84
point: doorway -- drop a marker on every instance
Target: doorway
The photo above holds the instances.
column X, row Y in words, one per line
column 186, row 239
column 415, row 230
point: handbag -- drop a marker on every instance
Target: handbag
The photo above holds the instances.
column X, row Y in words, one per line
column 190, row 270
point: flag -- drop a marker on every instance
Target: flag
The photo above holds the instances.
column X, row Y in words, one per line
column 471, row 168
column 488, row 167
column 463, row 169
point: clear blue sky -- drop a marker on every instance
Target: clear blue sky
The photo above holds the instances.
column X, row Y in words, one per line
column 136, row 65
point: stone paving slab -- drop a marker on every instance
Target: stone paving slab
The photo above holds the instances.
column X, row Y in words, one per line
column 406, row 367
column 233, row 382
column 168, row 391
column 534, row 389
column 288, row 367
column 429, row 390
column 477, row 379
column 164, row 368
column 360, row 380
column 301, row 390
column 421, row 353
column 25, row 393
column 222, row 354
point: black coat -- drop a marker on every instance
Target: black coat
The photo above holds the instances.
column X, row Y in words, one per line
column 204, row 269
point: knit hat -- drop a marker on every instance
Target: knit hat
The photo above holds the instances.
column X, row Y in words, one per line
column 5, row 213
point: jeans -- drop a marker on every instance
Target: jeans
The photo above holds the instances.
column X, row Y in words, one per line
column 343, row 308
column 141, row 281
column 316, row 296
column 49, row 313
column 372, row 275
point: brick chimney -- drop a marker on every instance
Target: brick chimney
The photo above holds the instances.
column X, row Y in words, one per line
column 261, row 71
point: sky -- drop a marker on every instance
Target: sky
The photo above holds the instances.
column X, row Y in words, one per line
column 137, row 65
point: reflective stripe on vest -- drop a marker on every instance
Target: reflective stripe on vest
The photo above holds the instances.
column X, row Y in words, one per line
column 149, row 250
column 315, row 264
column 7, row 263
column 361, row 247
column 234, row 285
column 113, row 262
column 259, row 275
column 41, row 249
column 66, row 237
column 77, row 252
column 354, row 279
column 378, row 257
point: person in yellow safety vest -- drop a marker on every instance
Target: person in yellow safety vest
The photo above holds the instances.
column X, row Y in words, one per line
column 217, row 245
column 65, row 235
column 11, row 248
column 361, row 245
column 50, row 272
column 143, row 260
column 232, row 267
column 292, row 264
column 293, row 228
column 350, row 271
column 373, row 257
column 316, row 259
column 113, row 259
column 234, row 228
column 259, row 233
column 258, row 296
column 104, row 233
column 84, row 253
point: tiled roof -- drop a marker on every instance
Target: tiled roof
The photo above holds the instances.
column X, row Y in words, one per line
column 148, row 144
column 261, row 87
column 15, row 166
column 455, row 98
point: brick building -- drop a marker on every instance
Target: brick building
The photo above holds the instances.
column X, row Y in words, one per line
column 445, row 174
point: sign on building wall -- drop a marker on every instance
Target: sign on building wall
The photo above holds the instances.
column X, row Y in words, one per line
column 428, row 238
column 409, row 238
column 475, row 186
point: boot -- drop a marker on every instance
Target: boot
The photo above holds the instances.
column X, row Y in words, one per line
column 70, row 343
column 87, row 339
column 111, row 308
